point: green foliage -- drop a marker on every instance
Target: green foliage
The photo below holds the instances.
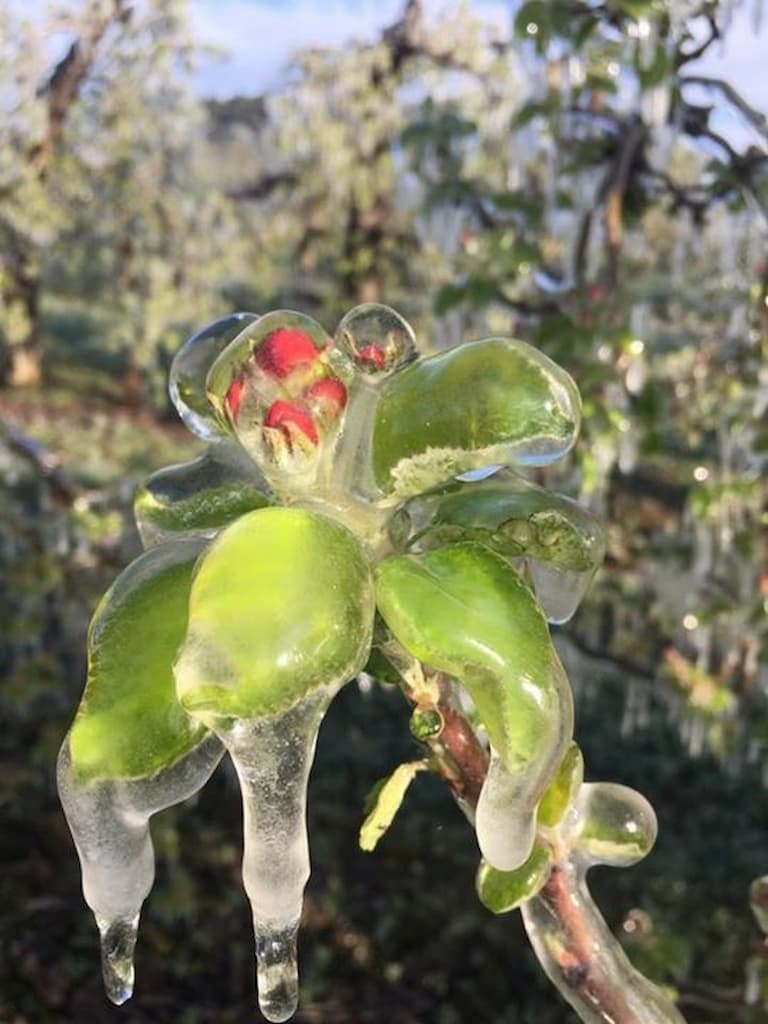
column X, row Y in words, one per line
column 503, row 891
column 277, row 580
column 132, row 642
column 462, row 610
column 462, row 196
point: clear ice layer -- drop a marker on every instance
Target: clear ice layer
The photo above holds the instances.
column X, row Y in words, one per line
column 583, row 959
column 189, row 369
column 200, row 496
column 282, row 388
column 558, row 591
column 109, row 822
column 273, row 757
column 376, row 339
column 612, row 825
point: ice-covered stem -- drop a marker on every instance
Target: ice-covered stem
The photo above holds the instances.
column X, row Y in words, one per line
column 583, row 959
column 569, row 935
column 458, row 756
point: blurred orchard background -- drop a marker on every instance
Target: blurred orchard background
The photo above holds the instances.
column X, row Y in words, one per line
column 589, row 176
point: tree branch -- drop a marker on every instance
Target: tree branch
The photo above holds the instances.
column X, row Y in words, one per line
column 64, row 84
column 758, row 121
column 686, row 56
column 47, row 465
column 573, row 943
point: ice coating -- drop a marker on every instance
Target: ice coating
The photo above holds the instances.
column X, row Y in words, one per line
column 505, row 820
column 493, row 402
column 583, row 959
column 273, row 757
column 465, row 611
column 200, row 496
column 376, row 339
column 282, row 389
column 280, row 617
column 109, row 822
column 613, row 825
column 559, row 591
column 186, row 382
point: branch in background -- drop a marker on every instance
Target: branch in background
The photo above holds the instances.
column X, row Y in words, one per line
column 64, row 84
column 264, row 186
column 525, row 307
column 47, row 465
column 614, row 190
column 686, row 56
column 758, row 121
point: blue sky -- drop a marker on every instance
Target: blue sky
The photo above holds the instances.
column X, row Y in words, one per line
column 260, row 35
column 257, row 38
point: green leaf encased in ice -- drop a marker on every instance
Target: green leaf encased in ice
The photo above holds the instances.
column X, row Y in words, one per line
column 563, row 789
column 282, row 603
column 514, row 517
column 130, row 724
column 497, row 400
column 201, row 495
column 503, row 891
column 464, row 610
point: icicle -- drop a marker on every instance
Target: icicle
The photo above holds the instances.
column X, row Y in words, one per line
column 109, row 821
column 280, row 617
column 273, row 757
column 558, row 591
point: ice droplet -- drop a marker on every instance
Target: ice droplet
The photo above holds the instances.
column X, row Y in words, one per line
column 277, row 973
column 190, row 367
column 505, row 820
column 613, row 825
column 273, row 756
column 109, row 822
column 118, row 941
column 558, row 591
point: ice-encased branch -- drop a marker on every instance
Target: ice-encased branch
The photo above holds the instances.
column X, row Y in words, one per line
column 574, row 945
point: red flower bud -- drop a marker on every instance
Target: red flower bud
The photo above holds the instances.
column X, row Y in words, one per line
column 373, row 355
column 234, row 397
column 329, row 393
column 288, row 419
column 285, row 349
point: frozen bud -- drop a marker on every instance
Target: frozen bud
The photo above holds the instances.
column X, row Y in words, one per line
column 376, row 339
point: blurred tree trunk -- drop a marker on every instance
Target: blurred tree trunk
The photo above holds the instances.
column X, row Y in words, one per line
column 20, row 287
